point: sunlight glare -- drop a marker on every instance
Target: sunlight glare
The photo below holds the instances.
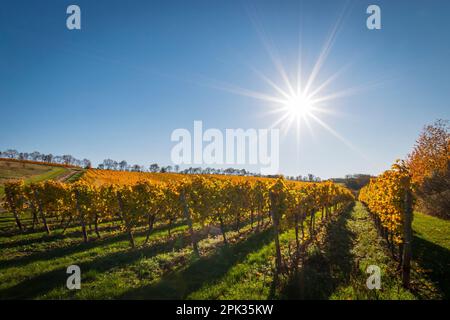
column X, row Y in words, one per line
column 299, row 106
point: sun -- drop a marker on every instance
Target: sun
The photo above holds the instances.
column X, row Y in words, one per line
column 298, row 99
column 299, row 106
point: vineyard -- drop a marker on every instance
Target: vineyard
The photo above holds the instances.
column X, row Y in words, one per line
column 214, row 216
column 198, row 200
column 389, row 199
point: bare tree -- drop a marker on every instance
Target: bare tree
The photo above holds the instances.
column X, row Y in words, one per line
column 136, row 168
column 68, row 159
column 11, row 154
column 123, row 165
column 86, row 163
column 108, row 164
column 35, row 155
column 154, row 167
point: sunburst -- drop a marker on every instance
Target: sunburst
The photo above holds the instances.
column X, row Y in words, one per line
column 302, row 102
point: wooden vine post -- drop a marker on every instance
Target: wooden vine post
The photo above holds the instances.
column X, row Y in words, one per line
column 187, row 216
column 407, row 237
column 126, row 219
column 81, row 215
column 41, row 210
column 277, row 206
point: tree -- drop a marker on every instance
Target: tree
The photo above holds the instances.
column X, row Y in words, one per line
column 58, row 159
column 108, row 164
column 431, row 152
column 136, row 168
column 86, row 163
column 47, row 157
column 123, row 165
column 434, row 194
column 11, row 154
column 429, row 165
column 154, row 167
column 35, row 155
column 68, row 159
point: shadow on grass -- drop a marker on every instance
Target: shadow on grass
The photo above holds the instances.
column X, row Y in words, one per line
column 179, row 284
column 435, row 260
column 45, row 282
column 55, row 235
column 324, row 270
column 38, row 234
column 77, row 247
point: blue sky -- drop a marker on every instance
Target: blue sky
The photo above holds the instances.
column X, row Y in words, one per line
column 137, row 70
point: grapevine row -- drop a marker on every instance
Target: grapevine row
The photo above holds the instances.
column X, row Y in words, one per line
column 389, row 198
column 200, row 201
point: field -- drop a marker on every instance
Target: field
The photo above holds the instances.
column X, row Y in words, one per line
column 333, row 264
column 103, row 177
column 33, row 172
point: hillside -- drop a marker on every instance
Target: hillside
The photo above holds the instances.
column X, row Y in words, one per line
column 32, row 171
column 101, row 177
column 150, row 248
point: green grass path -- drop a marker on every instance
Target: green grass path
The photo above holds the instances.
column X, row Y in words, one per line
column 335, row 267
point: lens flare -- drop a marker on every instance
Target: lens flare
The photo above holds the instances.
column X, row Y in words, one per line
column 299, row 106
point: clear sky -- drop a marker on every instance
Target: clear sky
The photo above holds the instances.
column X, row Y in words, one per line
column 137, row 70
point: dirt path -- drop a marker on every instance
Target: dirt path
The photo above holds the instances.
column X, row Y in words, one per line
column 67, row 175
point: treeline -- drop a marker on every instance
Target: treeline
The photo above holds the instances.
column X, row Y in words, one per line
column 110, row 164
column 354, row 181
column 429, row 167
column 198, row 201
column 36, row 156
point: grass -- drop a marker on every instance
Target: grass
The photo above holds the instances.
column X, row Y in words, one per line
column 194, row 280
column 17, row 170
column 30, row 172
column 33, row 266
column 432, row 229
column 431, row 254
column 351, row 249
column 75, row 177
column 50, row 175
column 36, row 268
